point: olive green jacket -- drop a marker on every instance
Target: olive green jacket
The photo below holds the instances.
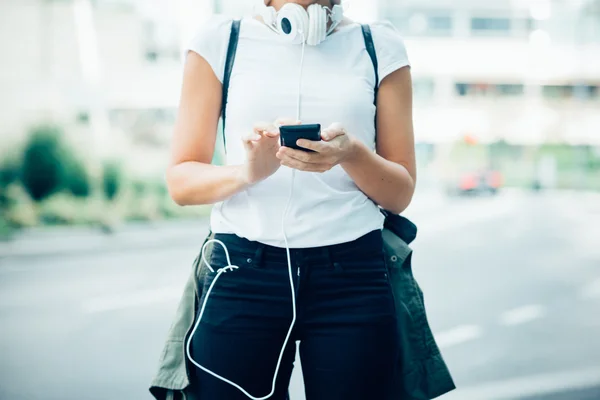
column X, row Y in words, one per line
column 423, row 373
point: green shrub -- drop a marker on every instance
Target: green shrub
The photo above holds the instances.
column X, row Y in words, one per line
column 50, row 165
column 19, row 210
column 112, row 178
column 140, row 187
column 161, row 188
column 77, row 178
column 144, row 209
column 65, row 209
column 10, row 169
column 5, row 229
column 43, row 169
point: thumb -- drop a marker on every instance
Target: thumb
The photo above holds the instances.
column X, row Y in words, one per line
column 334, row 130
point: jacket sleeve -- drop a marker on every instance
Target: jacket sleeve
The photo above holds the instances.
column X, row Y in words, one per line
column 172, row 376
column 423, row 373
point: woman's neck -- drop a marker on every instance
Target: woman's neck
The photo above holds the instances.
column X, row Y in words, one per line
column 277, row 4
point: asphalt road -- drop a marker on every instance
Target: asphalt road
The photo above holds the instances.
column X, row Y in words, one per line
column 512, row 286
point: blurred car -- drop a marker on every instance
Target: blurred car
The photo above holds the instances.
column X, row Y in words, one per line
column 487, row 182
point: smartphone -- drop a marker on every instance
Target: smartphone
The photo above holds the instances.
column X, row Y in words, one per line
column 289, row 134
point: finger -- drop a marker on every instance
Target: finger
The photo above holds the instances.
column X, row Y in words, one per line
column 315, row 145
column 330, row 134
column 299, row 165
column 266, row 130
column 300, row 155
column 261, row 126
column 332, row 131
column 273, row 133
column 251, row 137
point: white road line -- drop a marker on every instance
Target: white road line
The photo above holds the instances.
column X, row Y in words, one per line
column 458, row 335
column 536, row 385
column 522, row 315
column 135, row 299
column 591, row 290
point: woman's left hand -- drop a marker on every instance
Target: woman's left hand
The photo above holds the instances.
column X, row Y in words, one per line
column 335, row 147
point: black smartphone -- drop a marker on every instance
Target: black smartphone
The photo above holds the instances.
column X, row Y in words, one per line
column 289, row 134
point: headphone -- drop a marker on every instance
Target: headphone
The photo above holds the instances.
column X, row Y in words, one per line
column 298, row 25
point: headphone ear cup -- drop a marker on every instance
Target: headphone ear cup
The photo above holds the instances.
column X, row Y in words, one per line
column 293, row 22
column 317, row 16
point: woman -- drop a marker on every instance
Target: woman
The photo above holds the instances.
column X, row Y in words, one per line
column 337, row 302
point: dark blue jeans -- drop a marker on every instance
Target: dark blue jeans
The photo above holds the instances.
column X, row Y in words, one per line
column 346, row 322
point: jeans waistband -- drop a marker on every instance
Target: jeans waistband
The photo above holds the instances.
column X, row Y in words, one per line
column 369, row 244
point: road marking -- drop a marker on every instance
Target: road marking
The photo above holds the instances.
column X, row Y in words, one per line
column 535, row 385
column 136, row 299
column 458, row 335
column 522, row 315
column 591, row 290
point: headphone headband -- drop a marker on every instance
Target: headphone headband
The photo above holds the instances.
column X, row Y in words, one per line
column 297, row 24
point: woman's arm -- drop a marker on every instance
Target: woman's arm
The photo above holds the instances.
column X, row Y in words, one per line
column 191, row 179
column 389, row 176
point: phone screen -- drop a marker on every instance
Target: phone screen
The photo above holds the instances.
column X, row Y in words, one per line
column 289, row 134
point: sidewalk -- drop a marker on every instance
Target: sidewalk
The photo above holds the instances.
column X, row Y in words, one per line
column 60, row 241
column 76, row 240
column 427, row 204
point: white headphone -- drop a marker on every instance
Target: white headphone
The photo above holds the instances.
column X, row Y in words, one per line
column 296, row 24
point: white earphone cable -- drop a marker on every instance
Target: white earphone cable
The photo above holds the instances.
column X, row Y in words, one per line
column 300, row 76
column 230, row 267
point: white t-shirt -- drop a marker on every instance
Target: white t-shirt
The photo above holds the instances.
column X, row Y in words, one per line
column 337, row 86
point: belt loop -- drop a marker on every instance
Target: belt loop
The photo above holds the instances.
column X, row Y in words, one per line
column 259, row 255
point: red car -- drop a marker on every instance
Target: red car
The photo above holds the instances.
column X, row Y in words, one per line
column 486, row 182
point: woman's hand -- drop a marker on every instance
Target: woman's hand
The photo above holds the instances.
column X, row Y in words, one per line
column 335, row 148
column 261, row 148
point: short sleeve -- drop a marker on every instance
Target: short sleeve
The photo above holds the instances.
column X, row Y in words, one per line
column 211, row 41
column 390, row 48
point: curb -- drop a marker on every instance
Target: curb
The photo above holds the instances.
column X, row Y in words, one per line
column 128, row 238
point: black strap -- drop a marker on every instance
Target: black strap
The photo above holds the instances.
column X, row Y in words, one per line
column 234, row 37
column 370, row 46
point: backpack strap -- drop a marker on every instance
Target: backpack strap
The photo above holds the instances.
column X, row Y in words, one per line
column 234, row 37
column 370, row 46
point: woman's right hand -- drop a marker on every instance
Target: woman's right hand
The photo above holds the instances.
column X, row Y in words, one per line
column 261, row 148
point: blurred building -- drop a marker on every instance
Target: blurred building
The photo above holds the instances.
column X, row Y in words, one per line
column 106, row 70
column 526, row 71
column 521, row 70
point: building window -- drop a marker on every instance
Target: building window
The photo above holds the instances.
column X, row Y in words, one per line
column 557, row 91
column 151, row 56
column 83, row 118
column 440, row 24
column 581, row 92
column 510, row 89
column 586, row 92
column 464, row 89
column 490, row 26
column 427, row 24
column 423, row 89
